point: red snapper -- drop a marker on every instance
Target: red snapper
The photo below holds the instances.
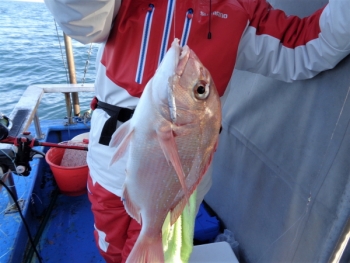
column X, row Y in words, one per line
column 170, row 142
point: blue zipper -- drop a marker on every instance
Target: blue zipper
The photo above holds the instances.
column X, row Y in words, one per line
column 187, row 27
column 166, row 32
column 144, row 43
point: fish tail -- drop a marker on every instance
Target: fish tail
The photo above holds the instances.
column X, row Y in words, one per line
column 147, row 250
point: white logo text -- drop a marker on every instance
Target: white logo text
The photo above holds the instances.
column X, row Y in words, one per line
column 216, row 13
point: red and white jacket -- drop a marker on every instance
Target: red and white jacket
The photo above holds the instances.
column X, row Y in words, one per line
column 245, row 34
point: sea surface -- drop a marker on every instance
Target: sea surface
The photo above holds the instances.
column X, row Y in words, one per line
column 32, row 52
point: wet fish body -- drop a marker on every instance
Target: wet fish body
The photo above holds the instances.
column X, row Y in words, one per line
column 170, row 142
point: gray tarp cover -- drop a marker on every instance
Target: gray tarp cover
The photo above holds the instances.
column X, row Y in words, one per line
column 281, row 173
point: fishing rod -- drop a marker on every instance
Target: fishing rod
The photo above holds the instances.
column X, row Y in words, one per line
column 17, row 158
column 17, row 141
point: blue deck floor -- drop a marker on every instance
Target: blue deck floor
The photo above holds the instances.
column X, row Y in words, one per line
column 61, row 226
column 68, row 236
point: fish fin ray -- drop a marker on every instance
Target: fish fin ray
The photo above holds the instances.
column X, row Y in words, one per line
column 130, row 207
column 177, row 211
column 200, row 169
column 204, row 170
column 120, row 134
column 169, row 147
column 120, row 139
column 147, row 249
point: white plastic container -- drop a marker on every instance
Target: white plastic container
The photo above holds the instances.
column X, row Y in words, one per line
column 218, row 252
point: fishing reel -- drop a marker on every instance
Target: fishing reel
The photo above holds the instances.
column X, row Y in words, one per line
column 17, row 157
column 5, row 126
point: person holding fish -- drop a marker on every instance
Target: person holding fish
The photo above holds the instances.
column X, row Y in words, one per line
column 138, row 55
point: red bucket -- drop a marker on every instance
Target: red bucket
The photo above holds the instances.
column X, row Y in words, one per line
column 71, row 180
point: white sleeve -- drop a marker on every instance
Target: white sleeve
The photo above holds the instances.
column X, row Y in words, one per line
column 84, row 20
column 335, row 24
column 315, row 43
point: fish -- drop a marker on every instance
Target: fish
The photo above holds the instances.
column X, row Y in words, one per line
column 170, row 142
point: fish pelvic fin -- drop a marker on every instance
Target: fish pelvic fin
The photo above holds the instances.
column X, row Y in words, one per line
column 147, row 250
column 130, row 207
column 167, row 142
column 120, row 139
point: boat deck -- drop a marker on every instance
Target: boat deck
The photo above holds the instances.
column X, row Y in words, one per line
column 61, row 226
column 68, row 235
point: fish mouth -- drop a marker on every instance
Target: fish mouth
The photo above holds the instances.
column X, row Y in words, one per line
column 182, row 55
column 171, row 97
column 183, row 59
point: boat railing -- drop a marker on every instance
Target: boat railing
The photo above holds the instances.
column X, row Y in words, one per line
column 25, row 111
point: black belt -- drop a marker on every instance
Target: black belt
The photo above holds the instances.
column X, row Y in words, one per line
column 116, row 114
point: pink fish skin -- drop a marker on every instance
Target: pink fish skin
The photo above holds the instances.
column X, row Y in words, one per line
column 170, row 142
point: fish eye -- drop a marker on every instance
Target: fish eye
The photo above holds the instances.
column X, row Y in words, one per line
column 201, row 90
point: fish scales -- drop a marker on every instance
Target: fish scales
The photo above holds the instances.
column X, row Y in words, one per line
column 170, row 141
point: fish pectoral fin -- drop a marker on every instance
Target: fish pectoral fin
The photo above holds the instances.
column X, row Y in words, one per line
column 120, row 139
column 120, row 134
column 167, row 143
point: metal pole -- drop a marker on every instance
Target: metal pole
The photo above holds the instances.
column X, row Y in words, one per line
column 341, row 244
column 38, row 131
column 72, row 75
column 68, row 107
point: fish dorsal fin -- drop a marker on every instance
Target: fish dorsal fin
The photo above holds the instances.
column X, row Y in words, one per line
column 167, row 143
column 120, row 139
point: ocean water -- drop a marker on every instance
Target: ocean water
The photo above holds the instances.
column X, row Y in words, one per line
column 30, row 53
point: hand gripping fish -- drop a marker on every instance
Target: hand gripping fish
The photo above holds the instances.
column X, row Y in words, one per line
column 170, row 142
